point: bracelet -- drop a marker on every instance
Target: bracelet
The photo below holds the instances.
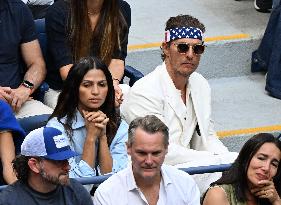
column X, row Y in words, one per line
column 116, row 79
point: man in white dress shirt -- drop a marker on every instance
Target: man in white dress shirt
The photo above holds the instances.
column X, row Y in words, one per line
column 147, row 180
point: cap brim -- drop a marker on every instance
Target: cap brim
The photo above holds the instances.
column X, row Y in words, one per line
column 62, row 155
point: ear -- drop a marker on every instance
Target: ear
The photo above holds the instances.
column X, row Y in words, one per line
column 129, row 148
column 34, row 165
column 165, row 48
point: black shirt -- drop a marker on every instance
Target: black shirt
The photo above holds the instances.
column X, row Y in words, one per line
column 16, row 27
column 19, row 193
column 58, row 49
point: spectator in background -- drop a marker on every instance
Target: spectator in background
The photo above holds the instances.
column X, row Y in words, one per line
column 9, row 128
column 38, row 7
column 254, row 177
column 267, row 57
column 77, row 29
column 18, row 39
column 181, row 98
column 147, row 180
column 86, row 115
column 42, row 171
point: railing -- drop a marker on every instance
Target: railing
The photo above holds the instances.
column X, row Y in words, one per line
column 190, row 170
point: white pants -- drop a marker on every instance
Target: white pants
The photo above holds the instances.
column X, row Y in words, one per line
column 32, row 108
column 51, row 97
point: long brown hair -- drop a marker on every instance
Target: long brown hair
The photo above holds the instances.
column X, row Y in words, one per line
column 105, row 38
column 68, row 99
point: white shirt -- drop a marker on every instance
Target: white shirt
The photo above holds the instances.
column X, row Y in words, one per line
column 176, row 187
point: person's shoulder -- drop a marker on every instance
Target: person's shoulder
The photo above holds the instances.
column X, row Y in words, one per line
column 18, row 5
column 124, row 5
column 176, row 173
column 215, row 195
column 59, row 7
column 197, row 76
column 198, row 81
column 149, row 81
column 77, row 187
column 10, row 193
column 114, row 182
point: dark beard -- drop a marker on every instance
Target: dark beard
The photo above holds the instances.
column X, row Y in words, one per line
column 61, row 179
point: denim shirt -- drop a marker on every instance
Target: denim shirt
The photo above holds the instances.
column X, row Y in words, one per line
column 79, row 168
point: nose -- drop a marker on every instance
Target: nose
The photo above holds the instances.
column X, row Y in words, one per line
column 148, row 159
column 189, row 54
column 95, row 89
column 266, row 166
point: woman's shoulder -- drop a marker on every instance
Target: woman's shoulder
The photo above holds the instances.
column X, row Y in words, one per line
column 60, row 8
column 126, row 11
column 217, row 194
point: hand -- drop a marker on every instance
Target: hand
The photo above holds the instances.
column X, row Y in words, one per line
column 118, row 94
column 5, row 94
column 95, row 123
column 19, row 96
column 266, row 189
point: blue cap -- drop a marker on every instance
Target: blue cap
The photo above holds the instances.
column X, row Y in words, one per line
column 47, row 142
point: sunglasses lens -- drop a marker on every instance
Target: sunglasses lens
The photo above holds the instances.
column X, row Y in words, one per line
column 183, row 48
column 198, row 49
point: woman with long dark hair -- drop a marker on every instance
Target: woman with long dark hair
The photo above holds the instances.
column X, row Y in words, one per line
column 254, row 178
column 81, row 28
column 85, row 112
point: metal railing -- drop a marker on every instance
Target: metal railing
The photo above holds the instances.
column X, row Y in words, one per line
column 190, row 170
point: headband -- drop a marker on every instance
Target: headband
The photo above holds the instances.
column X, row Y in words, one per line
column 183, row 32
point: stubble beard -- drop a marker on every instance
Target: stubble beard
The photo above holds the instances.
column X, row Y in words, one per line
column 61, row 179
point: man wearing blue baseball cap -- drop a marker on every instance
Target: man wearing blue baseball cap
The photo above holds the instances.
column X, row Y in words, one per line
column 42, row 171
column 181, row 98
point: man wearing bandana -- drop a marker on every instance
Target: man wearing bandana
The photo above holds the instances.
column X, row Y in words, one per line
column 181, row 98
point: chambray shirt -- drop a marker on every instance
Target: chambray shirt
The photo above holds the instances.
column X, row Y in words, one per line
column 79, row 168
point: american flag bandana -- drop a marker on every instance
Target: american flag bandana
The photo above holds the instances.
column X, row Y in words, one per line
column 183, row 32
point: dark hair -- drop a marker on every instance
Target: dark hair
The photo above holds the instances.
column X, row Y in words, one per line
column 105, row 38
column 150, row 124
column 21, row 168
column 68, row 98
column 237, row 174
column 181, row 21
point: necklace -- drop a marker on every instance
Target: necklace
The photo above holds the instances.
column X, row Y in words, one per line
column 93, row 13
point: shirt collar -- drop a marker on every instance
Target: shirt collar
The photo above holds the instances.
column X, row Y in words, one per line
column 132, row 183
column 78, row 120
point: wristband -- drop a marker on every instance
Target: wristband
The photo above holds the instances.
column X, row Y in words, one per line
column 28, row 84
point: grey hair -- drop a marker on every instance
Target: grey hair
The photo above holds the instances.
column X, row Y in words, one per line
column 150, row 124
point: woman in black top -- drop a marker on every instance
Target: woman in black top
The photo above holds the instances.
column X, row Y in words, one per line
column 80, row 28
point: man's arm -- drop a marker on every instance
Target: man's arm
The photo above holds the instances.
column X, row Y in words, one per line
column 36, row 72
column 36, row 69
column 7, row 154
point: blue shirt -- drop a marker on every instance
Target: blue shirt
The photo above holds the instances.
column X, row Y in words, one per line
column 16, row 27
column 79, row 168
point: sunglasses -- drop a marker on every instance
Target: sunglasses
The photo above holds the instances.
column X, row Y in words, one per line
column 183, row 48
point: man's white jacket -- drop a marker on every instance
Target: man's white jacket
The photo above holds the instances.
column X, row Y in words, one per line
column 156, row 94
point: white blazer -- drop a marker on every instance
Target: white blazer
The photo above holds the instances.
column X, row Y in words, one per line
column 156, row 94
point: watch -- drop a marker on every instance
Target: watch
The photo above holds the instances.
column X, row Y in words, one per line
column 27, row 84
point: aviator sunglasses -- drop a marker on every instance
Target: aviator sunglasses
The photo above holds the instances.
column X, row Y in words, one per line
column 183, row 48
